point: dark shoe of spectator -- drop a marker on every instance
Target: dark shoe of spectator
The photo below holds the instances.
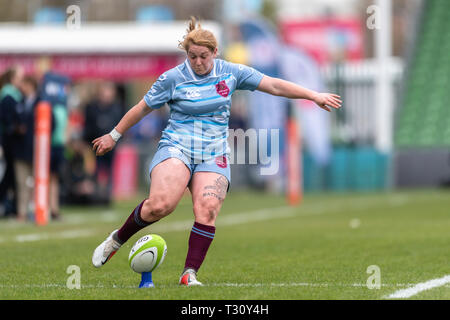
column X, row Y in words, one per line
column 56, row 216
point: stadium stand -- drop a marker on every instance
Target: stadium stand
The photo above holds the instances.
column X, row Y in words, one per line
column 424, row 119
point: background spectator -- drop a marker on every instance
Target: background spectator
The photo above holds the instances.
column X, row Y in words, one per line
column 101, row 115
column 55, row 88
column 23, row 139
column 10, row 96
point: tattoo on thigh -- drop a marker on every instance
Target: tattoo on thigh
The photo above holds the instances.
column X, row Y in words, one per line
column 212, row 194
column 218, row 190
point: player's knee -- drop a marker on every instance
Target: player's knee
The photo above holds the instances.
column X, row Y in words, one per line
column 206, row 212
column 156, row 208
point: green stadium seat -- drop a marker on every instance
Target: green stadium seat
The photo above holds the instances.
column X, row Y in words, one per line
column 424, row 117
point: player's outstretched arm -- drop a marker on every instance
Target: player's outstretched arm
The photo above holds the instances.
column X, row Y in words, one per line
column 106, row 143
column 283, row 88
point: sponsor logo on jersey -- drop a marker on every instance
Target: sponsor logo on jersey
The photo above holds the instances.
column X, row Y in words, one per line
column 192, row 93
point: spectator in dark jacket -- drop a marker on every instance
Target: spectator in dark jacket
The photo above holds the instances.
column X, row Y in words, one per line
column 23, row 140
column 10, row 96
column 101, row 115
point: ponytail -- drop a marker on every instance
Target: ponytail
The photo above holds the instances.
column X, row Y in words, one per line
column 195, row 34
column 193, row 23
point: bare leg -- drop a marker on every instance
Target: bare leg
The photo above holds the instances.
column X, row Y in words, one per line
column 209, row 190
column 208, row 193
column 169, row 181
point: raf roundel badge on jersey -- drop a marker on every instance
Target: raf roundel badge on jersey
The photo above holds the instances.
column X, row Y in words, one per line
column 222, row 89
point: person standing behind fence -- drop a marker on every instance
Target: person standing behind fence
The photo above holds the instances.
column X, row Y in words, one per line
column 10, row 96
column 23, row 140
column 101, row 115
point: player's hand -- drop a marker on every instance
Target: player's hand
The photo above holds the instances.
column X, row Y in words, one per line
column 326, row 100
column 103, row 144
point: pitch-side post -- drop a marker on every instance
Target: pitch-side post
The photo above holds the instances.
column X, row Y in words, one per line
column 294, row 177
column 42, row 162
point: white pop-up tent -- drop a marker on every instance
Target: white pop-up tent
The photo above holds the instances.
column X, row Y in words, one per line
column 108, row 50
column 157, row 37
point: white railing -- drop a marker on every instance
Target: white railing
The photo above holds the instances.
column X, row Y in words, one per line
column 355, row 123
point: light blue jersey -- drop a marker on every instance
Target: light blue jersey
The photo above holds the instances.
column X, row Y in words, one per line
column 200, row 106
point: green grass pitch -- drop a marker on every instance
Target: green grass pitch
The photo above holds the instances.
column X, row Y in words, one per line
column 263, row 249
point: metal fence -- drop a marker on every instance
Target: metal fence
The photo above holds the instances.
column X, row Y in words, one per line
column 356, row 84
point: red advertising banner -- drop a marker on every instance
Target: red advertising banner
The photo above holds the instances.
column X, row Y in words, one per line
column 112, row 67
column 125, row 172
column 326, row 39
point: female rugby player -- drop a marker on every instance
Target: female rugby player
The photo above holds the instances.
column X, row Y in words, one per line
column 193, row 150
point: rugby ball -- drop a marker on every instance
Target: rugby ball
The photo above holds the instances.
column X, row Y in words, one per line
column 147, row 253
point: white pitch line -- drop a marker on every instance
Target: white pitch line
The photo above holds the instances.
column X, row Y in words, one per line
column 409, row 292
column 307, row 284
column 232, row 219
column 225, row 220
column 225, row 284
column 307, row 209
column 68, row 234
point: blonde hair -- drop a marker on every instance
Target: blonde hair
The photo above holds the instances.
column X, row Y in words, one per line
column 198, row 36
